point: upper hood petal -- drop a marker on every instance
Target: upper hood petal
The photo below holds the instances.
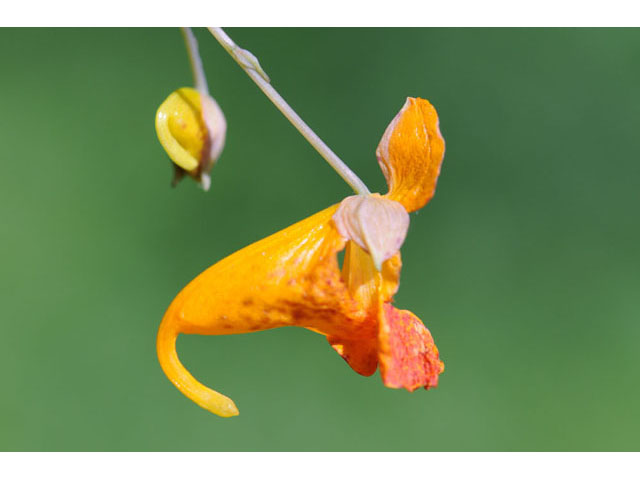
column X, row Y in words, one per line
column 410, row 154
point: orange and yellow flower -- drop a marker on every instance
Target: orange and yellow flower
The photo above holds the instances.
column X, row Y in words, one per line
column 293, row 278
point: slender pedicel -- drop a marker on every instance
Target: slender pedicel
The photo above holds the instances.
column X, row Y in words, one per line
column 199, row 78
column 251, row 66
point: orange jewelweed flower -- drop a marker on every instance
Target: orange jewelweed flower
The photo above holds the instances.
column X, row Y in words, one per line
column 292, row 278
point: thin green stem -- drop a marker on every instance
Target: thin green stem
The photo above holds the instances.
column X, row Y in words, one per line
column 199, row 78
column 251, row 66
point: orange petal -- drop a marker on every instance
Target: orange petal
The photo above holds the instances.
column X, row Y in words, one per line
column 291, row 278
column 370, row 289
column 408, row 357
column 410, row 154
column 361, row 354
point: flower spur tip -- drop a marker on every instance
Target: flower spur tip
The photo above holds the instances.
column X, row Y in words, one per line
column 207, row 398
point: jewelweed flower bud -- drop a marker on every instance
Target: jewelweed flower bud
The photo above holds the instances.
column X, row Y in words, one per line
column 192, row 129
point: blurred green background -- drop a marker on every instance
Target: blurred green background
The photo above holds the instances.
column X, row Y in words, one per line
column 524, row 266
